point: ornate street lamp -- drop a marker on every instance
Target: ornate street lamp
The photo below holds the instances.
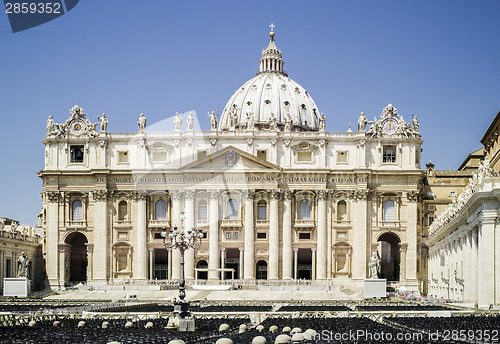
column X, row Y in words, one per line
column 182, row 241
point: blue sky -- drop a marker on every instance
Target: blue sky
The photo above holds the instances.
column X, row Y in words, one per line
column 435, row 59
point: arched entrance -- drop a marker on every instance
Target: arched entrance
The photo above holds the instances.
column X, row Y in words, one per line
column 390, row 257
column 76, row 269
column 202, row 275
column 261, row 270
column 160, row 264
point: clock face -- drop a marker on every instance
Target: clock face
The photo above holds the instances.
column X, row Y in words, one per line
column 390, row 126
column 76, row 127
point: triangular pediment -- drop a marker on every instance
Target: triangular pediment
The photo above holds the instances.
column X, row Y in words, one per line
column 230, row 159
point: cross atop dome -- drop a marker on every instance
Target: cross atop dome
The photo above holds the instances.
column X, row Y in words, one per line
column 272, row 26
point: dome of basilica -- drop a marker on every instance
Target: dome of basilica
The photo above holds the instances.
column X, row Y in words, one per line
column 271, row 100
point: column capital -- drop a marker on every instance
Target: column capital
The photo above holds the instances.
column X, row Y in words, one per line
column 241, row 249
column 53, row 196
column 151, row 249
column 213, row 194
column 222, row 249
column 288, row 194
column 90, row 247
column 176, row 195
column 295, row 249
column 403, row 247
column 360, row 195
column 274, row 194
column 189, row 194
column 100, row 195
column 249, row 194
column 139, row 196
column 322, row 195
column 313, row 249
column 412, row 196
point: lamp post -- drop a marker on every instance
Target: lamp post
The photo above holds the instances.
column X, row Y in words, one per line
column 182, row 241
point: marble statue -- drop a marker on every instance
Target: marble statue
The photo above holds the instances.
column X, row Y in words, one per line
column 273, row 122
column 141, row 122
column 322, row 122
column 213, row 120
column 2, row 224
column 23, row 265
column 362, row 121
column 177, row 121
column 50, row 125
column 233, row 118
column 103, row 121
column 250, row 121
column 374, row 266
column 190, row 121
column 288, row 123
column 415, row 124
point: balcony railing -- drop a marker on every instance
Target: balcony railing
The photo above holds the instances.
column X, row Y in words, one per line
column 231, row 223
column 305, row 224
column 123, row 223
column 159, row 223
column 78, row 224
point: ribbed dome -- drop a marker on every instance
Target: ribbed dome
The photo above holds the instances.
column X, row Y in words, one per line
column 271, row 94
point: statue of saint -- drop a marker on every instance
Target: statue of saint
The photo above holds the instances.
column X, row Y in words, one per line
column 250, row 121
column 103, row 122
column 2, row 224
column 23, row 266
column 50, row 125
column 190, row 121
column 213, row 120
column 288, row 123
column 273, row 122
column 362, row 121
column 322, row 122
column 415, row 124
column 177, row 121
column 374, row 266
column 141, row 122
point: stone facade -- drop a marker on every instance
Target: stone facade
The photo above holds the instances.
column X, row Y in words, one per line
column 277, row 196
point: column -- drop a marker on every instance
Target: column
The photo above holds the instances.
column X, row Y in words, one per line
column 402, row 251
column 287, row 259
column 321, row 239
column 141, row 231
column 273, row 235
column 63, row 264
column 249, row 260
column 169, row 272
column 151, row 250
column 313, row 264
column 486, row 254
column 295, row 262
column 334, row 261
column 213, row 239
column 240, row 265
column 101, row 253
column 52, row 266
column 223, row 262
column 90, row 259
column 360, row 241
column 411, row 236
column 176, row 197
column 190, row 224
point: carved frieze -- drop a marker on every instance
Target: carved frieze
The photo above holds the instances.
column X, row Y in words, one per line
column 100, row 195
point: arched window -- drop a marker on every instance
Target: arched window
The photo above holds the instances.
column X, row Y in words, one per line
column 202, row 211
column 341, row 211
column 161, row 210
column 389, row 211
column 232, row 209
column 262, row 210
column 304, row 210
column 77, row 211
column 122, row 211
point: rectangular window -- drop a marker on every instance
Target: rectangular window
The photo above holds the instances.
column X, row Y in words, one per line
column 261, row 235
column 342, row 157
column 262, row 213
column 389, row 154
column 123, row 157
column 304, row 236
column 76, row 153
column 158, row 236
column 262, row 154
column 304, row 156
column 159, row 156
column 202, row 212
